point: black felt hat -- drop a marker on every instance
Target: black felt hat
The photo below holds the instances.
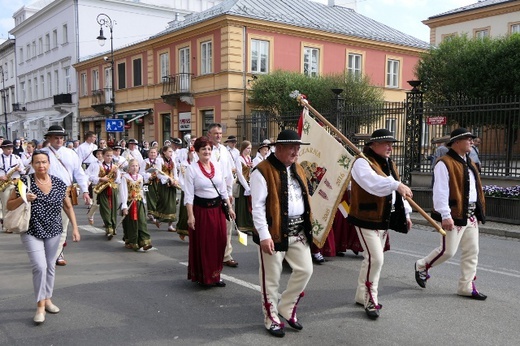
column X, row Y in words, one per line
column 7, row 144
column 459, row 134
column 55, row 130
column 231, row 139
column 288, row 137
column 381, row 135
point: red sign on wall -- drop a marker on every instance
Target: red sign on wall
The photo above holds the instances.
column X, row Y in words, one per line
column 436, row 120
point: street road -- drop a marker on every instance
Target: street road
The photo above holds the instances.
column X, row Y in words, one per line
column 109, row 295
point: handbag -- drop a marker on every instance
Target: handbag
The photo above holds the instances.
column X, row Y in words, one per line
column 17, row 220
column 236, row 190
column 223, row 203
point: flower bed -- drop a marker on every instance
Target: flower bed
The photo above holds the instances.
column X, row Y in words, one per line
column 512, row 192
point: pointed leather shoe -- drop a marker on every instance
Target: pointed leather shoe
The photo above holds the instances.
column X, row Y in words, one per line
column 276, row 330
column 421, row 276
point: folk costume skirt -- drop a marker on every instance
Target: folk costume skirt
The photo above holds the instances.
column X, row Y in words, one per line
column 135, row 226
column 207, row 244
column 166, row 203
column 152, row 195
column 107, row 201
column 244, row 218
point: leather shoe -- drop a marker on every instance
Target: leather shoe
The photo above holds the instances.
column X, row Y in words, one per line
column 221, row 283
column 53, row 309
column 372, row 310
column 39, row 318
column 293, row 323
column 231, row 263
column 147, row 247
column 421, row 276
column 276, row 330
column 477, row 296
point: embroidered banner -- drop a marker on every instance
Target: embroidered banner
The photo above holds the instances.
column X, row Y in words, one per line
column 327, row 165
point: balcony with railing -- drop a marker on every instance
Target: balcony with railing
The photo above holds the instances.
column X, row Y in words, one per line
column 177, row 87
column 102, row 101
column 62, row 98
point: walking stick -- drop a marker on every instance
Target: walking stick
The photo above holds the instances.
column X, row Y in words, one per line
column 303, row 102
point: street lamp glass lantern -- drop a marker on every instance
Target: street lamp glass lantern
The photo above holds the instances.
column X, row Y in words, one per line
column 101, row 38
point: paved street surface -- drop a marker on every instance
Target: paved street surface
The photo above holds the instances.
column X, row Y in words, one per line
column 109, row 295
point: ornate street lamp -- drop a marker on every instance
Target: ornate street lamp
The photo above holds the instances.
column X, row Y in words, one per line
column 105, row 21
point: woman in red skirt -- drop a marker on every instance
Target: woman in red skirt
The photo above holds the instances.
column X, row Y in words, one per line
column 205, row 191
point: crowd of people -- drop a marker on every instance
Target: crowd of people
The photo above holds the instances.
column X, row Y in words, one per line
column 205, row 188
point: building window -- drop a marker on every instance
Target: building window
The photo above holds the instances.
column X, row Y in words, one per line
column 42, row 83
column 49, row 84
column 311, row 60
column 184, row 69
column 481, row 33
column 68, row 84
column 28, row 52
column 56, row 82
column 33, row 49
column 164, row 61
column 11, row 65
column 391, row 125
column 205, row 57
column 29, row 91
column 40, row 45
column 95, row 80
column 259, row 56
column 392, row 73
column 137, row 72
column 47, row 42
column 121, row 75
column 166, row 126
column 354, row 66
column 514, row 28
column 54, row 38
column 65, row 34
column 84, row 91
column 23, row 93
column 21, row 55
column 36, row 90
column 208, row 118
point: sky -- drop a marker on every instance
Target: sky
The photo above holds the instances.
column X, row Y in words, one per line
column 403, row 15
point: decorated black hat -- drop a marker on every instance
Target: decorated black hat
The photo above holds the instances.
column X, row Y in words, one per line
column 288, row 137
column 6, row 144
column 459, row 133
column 177, row 141
column 381, row 135
column 265, row 144
column 231, row 139
column 94, row 152
column 55, row 130
column 132, row 141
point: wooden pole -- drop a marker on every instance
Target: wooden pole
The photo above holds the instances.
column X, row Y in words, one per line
column 303, row 102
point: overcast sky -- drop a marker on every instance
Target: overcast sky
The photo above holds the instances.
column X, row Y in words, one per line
column 403, row 15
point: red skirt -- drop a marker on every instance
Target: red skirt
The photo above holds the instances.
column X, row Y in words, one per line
column 207, row 244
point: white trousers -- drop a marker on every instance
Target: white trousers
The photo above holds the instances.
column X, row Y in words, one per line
column 63, row 238
column 299, row 258
column 373, row 243
column 42, row 255
column 229, row 247
column 467, row 238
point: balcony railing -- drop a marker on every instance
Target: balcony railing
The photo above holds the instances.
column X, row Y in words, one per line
column 102, row 100
column 179, row 83
column 19, row 107
column 62, row 98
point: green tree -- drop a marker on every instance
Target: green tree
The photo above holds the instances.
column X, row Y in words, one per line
column 270, row 92
column 461, row 68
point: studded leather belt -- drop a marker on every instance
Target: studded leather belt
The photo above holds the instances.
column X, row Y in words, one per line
column 295, row 225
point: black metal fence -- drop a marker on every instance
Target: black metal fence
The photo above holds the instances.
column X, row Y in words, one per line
column 496, row 121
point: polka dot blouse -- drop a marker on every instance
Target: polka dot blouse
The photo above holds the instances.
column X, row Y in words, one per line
column 46, row 209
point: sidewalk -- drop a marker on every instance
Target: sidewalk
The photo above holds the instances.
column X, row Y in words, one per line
column 493, row 228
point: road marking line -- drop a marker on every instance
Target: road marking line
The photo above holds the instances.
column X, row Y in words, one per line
column 235, row 280
column 92, row 229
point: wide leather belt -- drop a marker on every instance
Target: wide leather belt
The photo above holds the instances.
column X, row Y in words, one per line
column 295, row 225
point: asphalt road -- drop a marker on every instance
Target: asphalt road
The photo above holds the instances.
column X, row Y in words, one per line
column 109, row 295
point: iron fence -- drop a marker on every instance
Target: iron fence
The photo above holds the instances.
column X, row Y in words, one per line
column 496, row 121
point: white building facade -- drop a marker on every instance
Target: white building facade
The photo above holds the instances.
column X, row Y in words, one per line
column 51, row 36
column 7, row 84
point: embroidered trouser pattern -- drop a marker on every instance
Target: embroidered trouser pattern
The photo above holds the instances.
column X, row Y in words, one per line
column 467, row 238
column 299, row 258
column 373, row 243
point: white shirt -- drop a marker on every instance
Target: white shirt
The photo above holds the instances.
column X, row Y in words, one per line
column 441, row 190
column 26, row 160
column 235, row 153
column 93, row 172
column 157, row 164
column 84, row 152
column 198, row 184
column 259, row 196
column 8, row 162
column 258, row 158
column 133, row 154
column 70, row 169
column 221, row 155
column 123, row 188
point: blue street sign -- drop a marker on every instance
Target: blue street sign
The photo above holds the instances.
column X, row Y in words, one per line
column 115, row 125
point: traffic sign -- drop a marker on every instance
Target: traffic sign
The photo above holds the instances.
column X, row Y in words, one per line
column 115, row 125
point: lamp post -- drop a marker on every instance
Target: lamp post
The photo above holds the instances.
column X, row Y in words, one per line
column 4, row 97
column 105, row 21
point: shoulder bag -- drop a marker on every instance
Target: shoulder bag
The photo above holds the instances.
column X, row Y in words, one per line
column 17, row 220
